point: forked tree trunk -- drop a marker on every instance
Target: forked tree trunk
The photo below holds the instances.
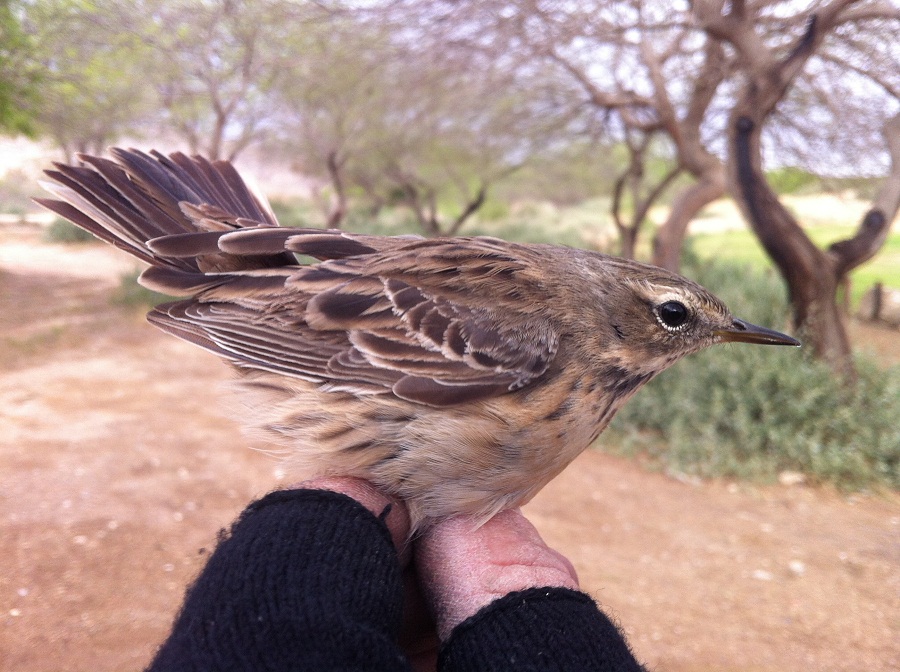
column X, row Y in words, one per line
column 813, row 276
column 693, row 156
column 810, row 273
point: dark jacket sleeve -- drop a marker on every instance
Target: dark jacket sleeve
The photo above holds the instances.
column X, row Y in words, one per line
column 538, row 630
column 307, row 580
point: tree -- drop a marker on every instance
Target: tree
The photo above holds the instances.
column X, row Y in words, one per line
column 662, row 81
column 634, row 184
column 642, row 66
column 19, row 75
column 380, row 105
column 770, row 69
column 93, row 84
column 218, row 62
column 332, row 99
column 465, row 129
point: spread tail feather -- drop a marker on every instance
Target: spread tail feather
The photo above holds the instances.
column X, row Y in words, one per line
column 187, row 216
column 139, row 197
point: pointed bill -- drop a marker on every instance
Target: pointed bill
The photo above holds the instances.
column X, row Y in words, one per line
column 744, row 332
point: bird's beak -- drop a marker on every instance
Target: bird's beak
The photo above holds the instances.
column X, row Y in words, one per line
column 744, row 332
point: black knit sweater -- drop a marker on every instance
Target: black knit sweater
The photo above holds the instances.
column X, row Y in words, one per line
column 309, row 580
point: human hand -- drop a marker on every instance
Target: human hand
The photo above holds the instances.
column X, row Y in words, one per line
column 462, row 568
column 457, row 568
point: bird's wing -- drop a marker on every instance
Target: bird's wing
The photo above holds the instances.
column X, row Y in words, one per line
column 437, row 322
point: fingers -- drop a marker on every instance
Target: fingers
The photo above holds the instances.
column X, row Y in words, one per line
column 392, row 511
column 462, row 569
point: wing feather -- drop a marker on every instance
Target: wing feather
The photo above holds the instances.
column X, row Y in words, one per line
column 337, row 325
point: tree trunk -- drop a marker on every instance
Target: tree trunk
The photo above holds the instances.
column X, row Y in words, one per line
column 628, row 241
column 813, row 276
column 217, row 139
column 339, row 208
column 669, row 239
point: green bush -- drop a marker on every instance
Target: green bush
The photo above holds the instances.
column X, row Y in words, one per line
column 62, row 231
column 132, row 295
column 753, row 412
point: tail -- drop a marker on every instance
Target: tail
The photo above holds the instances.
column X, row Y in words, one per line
column 137, row 198
column 182, row 215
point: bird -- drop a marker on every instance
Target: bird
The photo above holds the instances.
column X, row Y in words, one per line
column 460, row 374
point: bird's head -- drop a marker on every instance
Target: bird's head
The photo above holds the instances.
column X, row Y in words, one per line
column 652, row 318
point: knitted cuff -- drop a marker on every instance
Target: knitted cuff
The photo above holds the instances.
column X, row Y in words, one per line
column 546, row 629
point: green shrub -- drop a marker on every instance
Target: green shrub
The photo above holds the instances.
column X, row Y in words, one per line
column 753, row 412
column 62, row 231
column 132, row 295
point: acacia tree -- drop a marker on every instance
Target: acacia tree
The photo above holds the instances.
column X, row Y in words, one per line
column 332, row 99
column 770, row 69
column 643, row 66
column 462, row 128
column 93, row 83
column 385, row 109
column 217, row 63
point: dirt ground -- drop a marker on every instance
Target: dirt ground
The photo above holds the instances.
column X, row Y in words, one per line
column 117, row 470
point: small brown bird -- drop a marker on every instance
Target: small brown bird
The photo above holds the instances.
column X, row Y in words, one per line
column 460, row 374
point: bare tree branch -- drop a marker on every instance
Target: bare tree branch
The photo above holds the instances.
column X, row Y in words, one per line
column 876, row 223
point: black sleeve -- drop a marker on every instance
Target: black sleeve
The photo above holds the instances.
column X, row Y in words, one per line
column 307, row 580
column 538, row 630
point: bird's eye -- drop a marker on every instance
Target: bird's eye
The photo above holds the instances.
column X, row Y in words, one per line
column 672, row 314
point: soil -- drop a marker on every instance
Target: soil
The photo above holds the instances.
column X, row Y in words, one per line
column 119, row 470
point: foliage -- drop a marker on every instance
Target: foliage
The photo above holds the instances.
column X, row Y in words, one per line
column 386, row 114
column 753, row 412
column 94, row 87
column 216, row 64
column 62, row 231
column 19, row 76
column 565, row 174
column 863, row 188
column 294, row 213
